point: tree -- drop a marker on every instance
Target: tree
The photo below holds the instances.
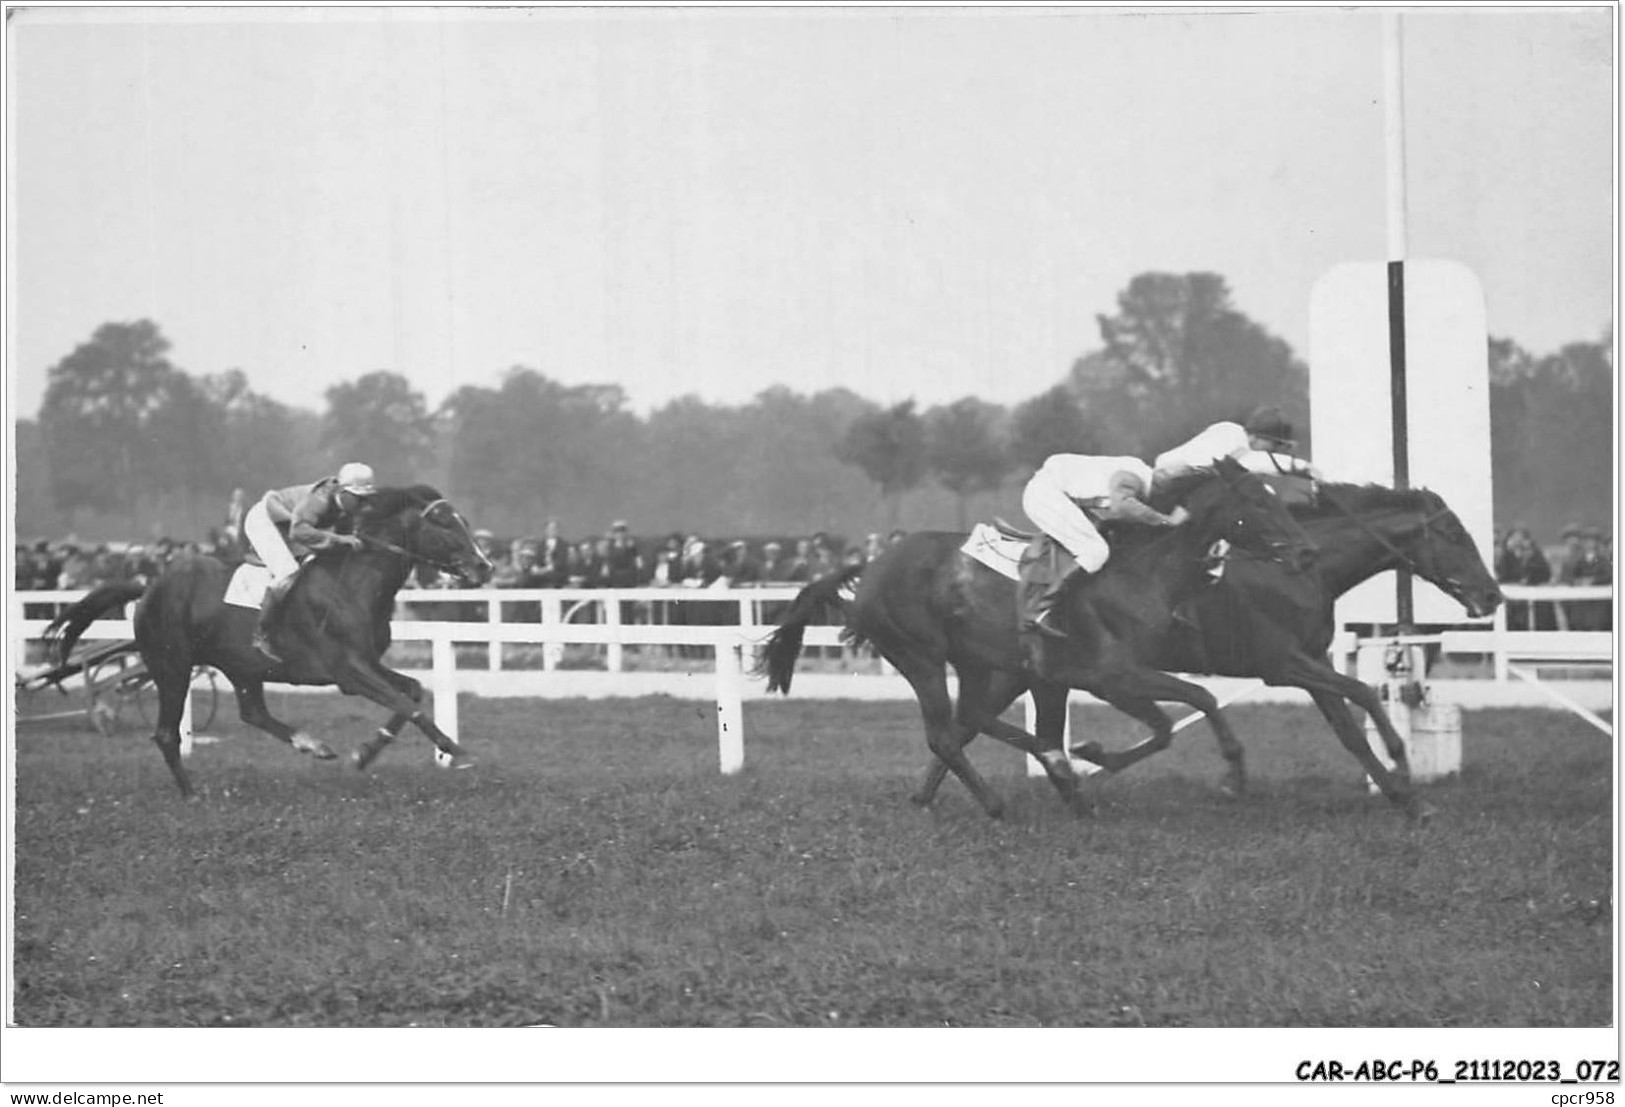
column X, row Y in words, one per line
column 889, row 446
column 1179, row 356
column 964, row 451
column 105, row 404
column 265, row 447
column 380, row 419
column 1050, row 423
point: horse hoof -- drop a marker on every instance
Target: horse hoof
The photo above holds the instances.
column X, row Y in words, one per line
column 458, row 760
column 318, row 749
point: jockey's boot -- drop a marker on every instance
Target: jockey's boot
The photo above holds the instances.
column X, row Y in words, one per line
column 1039, row 599
column 274, row 596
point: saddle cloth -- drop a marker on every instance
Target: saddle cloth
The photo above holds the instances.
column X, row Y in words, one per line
column 996, row 549
column 248, row 586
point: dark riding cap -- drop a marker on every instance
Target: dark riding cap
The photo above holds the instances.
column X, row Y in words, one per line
column 1270, row 422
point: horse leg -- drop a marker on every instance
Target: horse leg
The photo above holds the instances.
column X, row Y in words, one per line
column 173, row 678
column 387, row 733
column 930, row 682
column 1001, row 691
column 1332, row 693
column 252, row 710
column 356, row 676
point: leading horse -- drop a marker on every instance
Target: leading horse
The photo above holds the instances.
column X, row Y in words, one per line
column 925, row 605
column 1261, row 622
column 334, row 625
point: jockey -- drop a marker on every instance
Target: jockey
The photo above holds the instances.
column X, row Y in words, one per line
column 1064, row 498
column 1264, row 445
column 308, row 513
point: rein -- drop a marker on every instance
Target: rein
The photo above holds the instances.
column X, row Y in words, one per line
column 1405, row 559
column 390, row 547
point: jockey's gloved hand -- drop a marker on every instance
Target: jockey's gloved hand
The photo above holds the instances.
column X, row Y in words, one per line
column 350, row 540
column 1178, row 515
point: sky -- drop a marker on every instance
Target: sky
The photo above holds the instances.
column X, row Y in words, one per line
column 924, row 203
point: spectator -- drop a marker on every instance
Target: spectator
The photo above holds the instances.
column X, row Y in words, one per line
column 699, row 565
column 775, row 569
column 1520, row 561
column 669, row 562
column 552, row 558
column 78, row 570
column 1585, row 562
column 895, row 537
column 873, row 547
column 800, row 569
column 623, row 561
column 585, row 568
column 739, row 567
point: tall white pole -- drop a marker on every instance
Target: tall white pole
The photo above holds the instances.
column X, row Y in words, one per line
column 1393, row 103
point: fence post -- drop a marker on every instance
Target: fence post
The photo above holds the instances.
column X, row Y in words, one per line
column 444, row 686
column 730, row 706
column 1499, row 643
column 612, row 619
column 552, row 615
column 493, row 618
column 1035, row 767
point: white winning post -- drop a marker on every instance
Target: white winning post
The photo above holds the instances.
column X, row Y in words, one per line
column 730, row 705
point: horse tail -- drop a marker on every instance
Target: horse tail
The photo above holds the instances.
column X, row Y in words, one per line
column 66, row 628
column 823, row 596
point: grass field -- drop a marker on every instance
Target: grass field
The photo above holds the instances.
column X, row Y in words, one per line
column 596, row 869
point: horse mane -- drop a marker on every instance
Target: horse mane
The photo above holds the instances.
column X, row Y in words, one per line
column 1178, row 487
column 388, row 502
column 1366, row 497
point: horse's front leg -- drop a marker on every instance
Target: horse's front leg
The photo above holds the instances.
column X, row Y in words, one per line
column 357, row 676
column 387, row 733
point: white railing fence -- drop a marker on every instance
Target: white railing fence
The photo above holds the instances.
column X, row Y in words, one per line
column 731, row 624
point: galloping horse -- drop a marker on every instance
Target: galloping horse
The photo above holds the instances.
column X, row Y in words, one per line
column 334, row 624
column 1261, row 622
column 924, row 605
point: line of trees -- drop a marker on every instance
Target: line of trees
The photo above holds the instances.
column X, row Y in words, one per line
column 127, row 442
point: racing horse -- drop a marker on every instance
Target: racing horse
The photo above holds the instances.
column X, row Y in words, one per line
column 334, row 625
column 925, row 605
column 1261, row 622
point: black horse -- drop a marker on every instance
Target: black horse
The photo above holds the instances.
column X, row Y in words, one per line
column 925, row 605
column 1261, row 622
column 333, row 626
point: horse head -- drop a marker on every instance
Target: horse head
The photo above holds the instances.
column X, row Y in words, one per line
column 1446, row 556
column 419, row 522
column 1231, row 503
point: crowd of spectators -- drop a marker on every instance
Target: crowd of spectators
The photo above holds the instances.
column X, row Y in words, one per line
column 69, row 563
column 1586, row 557
column 616, row 559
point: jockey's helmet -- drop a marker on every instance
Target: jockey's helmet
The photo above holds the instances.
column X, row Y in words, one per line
column 356, row 478
column 1270, row 422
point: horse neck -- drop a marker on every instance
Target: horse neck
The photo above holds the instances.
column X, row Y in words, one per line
column 1352, row 553
column 375, row 576
column 1168, row 564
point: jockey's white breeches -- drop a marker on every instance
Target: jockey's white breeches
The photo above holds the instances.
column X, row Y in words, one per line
column 1059, row 516
column 268, row 543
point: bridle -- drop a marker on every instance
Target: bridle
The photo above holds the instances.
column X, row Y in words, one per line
column 1277, row 551
column 1407, row 562
column 436, row 563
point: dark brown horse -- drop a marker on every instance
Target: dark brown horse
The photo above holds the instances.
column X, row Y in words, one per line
column 925, row 605
column 333, row 625
column 1260, row 621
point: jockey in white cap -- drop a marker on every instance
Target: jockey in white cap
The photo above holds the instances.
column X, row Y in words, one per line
column 1064, row 498
column 289, row 525
column 1264, row 445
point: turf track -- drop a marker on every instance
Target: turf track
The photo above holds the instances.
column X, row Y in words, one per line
column 595, row 869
